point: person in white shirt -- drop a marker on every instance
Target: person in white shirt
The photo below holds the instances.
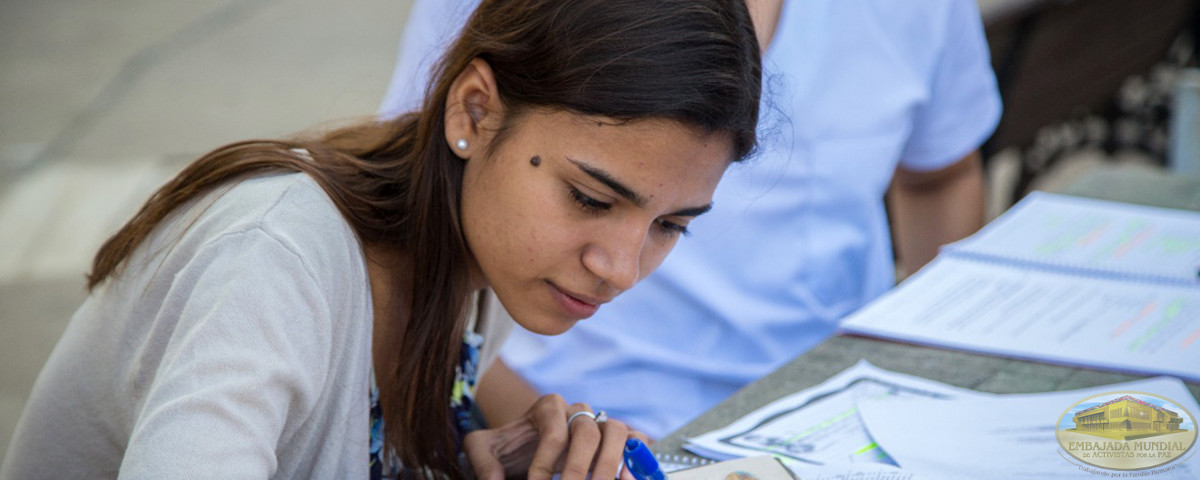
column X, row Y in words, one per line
column 861, row 98
column 317, row 307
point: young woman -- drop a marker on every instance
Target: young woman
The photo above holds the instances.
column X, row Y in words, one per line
column 308, row 308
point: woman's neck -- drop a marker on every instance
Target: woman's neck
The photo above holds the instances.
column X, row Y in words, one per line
column 390, row 274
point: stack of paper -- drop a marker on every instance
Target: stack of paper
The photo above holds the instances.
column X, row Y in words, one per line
column 866, row 422
column 1060, row 279
column 820, row 425
column 997, row 439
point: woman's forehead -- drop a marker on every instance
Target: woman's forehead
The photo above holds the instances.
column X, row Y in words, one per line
column 569, row 128
column 652, row 157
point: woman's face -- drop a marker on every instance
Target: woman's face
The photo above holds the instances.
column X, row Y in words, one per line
column 569, row 210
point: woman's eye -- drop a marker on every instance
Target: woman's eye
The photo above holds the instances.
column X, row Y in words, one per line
column 588, row 204
column 596, row 207
column 673, row 228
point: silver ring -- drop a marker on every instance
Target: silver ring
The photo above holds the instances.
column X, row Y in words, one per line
column 601, row 416
column 576, row 414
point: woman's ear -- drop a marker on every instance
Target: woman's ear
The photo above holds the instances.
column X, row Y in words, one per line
column 473, row 109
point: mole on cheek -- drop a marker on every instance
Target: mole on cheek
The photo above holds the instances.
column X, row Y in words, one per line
column 535, row 161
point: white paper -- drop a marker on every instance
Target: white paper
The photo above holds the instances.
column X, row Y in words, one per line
column 857, row 471
column 1061, row 279
column 1097, row 235
column 1039, row 315
column 820, row 425
column 1002, row 437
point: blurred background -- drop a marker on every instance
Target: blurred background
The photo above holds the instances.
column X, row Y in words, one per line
column 100, row 102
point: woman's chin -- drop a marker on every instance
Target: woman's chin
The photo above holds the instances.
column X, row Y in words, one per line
column 556, row 328
column 554, row 317
column 549, row 325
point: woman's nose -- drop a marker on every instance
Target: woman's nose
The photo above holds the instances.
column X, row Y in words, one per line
column 615, row 257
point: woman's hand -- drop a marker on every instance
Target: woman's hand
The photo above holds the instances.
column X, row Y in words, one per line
column 541, row 443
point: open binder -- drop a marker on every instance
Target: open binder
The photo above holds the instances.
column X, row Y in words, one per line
column 1059, row 279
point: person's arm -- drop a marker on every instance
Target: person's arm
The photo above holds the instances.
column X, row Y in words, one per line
column 502, row 395
column 932, row 204
column 765, row 15
column 931, row 209
column 250, row 351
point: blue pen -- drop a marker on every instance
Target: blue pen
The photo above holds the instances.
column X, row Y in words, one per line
column 640, row 461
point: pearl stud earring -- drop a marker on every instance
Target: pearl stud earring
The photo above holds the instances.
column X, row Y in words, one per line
column 461, row 144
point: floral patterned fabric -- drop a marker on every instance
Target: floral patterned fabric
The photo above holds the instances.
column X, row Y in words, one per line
column 462, row 401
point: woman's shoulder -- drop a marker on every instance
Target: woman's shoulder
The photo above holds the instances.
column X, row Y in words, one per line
column 297, row 212
column 273, row 247
column 291, row 207
column 272, row 201
column 281, row 216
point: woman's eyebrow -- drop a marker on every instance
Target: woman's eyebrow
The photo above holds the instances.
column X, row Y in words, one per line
column 607, row 179
column 620, row 188
column 691, row 211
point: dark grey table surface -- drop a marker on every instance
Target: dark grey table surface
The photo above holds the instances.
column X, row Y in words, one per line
column 964, row 369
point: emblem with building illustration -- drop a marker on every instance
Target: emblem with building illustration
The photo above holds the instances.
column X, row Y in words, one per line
column 1127, row 431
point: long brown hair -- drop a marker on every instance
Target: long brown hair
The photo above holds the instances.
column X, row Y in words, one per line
column 397, row 182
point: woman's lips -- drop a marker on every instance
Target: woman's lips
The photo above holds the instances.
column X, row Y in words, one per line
column 575, row 306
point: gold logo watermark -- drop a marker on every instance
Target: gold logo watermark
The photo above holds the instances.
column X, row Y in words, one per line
column 1126, row 431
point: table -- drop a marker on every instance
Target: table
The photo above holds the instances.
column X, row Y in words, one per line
column 970, row 370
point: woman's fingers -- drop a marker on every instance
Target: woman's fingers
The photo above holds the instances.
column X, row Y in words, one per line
column 584, row 434
column 612, row 449
column 478, row 447
column 575, row 444
column 549, row 416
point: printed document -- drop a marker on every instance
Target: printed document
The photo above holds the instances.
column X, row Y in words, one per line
column 1059, row 279
column 820, row 425
column 1004, row 436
